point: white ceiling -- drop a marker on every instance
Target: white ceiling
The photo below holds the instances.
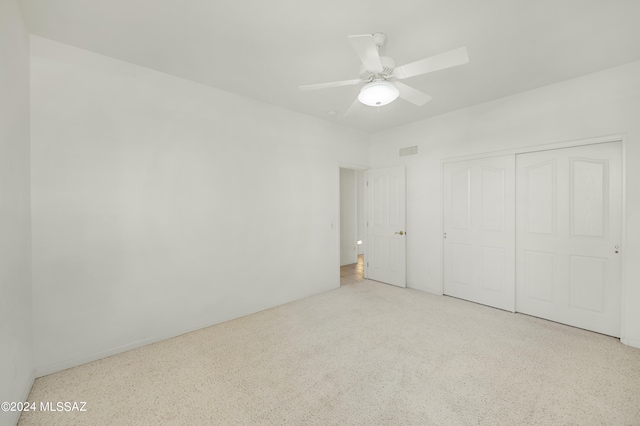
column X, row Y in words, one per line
column 266, row 49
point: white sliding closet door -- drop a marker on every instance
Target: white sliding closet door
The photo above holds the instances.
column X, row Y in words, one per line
column 569, row 212
column 479, row 226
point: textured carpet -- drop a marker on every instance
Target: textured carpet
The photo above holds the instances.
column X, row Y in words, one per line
column 364, row 354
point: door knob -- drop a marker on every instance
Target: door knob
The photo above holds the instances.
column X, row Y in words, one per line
column 400, row 233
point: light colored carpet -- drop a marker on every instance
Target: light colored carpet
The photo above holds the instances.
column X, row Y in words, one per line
column 364, row 354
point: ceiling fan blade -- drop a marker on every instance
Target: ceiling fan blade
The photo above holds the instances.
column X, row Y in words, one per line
column 333, row 84
column 434, row 63
column 412, row 95
column 366, row 48
column 355, row 106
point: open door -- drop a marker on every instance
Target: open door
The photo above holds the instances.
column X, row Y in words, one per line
column 386, row 256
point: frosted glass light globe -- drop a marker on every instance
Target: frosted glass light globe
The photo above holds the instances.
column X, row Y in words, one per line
column 378, row 93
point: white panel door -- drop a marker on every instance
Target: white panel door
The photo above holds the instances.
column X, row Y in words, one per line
column 386, row 245
column 479, row 230
column 569, row 212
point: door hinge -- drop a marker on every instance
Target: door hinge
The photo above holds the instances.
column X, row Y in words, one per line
column 367, row 223
column 367, row 183
column 367, row 264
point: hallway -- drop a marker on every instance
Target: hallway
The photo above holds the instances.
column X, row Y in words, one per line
column 350, row 274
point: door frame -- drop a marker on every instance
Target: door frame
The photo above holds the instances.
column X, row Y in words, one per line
column 547, row 147
column 336, row 223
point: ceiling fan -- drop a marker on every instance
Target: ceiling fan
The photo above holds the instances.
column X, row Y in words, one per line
column 381, row 74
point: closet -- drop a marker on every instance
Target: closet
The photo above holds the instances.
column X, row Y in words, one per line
column 538, row 233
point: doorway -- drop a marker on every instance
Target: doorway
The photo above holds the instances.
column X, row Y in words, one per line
column 352, row 226
column 353, row 273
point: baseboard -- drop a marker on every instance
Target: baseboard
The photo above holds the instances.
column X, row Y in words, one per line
column 14, row 417
column 64, row 365
column 27, row 390
column 631, row 342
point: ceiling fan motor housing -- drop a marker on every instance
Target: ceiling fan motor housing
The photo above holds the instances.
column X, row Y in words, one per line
column 388, row 65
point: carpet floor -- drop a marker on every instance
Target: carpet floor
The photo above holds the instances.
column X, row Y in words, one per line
column 363, row 354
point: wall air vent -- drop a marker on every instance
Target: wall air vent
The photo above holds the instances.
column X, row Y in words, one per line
column 410, row 150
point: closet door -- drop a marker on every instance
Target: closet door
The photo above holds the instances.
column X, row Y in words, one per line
column 569, row 213
column 479, row 231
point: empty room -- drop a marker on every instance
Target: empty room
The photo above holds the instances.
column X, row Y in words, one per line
column 412, row 212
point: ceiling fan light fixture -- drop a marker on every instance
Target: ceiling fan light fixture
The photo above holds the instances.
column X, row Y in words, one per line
column 378, row 93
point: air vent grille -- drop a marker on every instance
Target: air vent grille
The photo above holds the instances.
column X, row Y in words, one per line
column 410, row 150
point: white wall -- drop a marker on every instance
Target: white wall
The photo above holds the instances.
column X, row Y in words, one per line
column 362, row 229
column 16, row 348
column 348, row 217
column 604, row 103
column 161, row 205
